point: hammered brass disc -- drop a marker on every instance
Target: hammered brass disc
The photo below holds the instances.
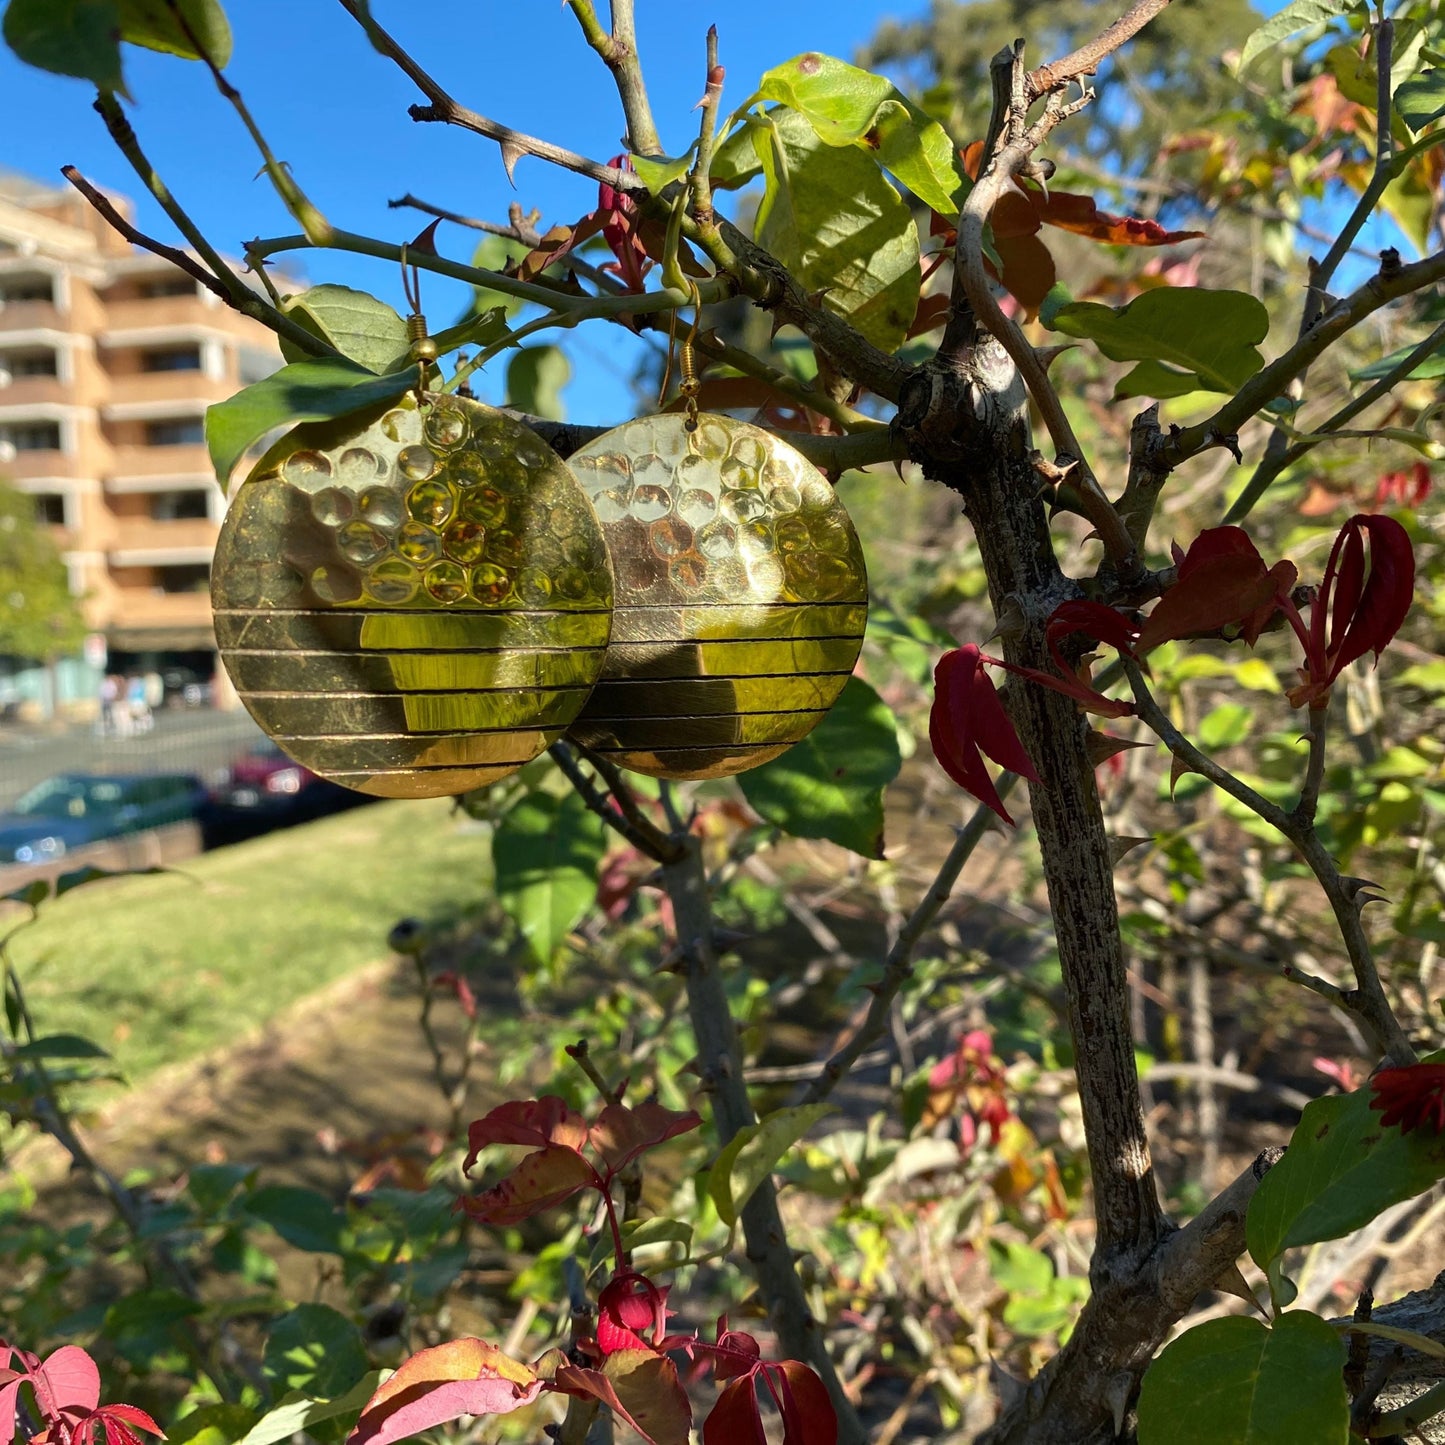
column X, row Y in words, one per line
column 741, row 596
column 416, row 606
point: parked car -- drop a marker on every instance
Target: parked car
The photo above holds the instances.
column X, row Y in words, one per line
column 266, row 790
column 67, row 812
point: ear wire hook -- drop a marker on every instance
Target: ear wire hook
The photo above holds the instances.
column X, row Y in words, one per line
column 687, row 359
column 422, row 348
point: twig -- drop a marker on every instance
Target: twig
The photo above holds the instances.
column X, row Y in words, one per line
column 1367, row 999
column 974, row 299
column 1309, row 798
column 514, row 143
column 1405, row 1418
column 898, row 968
column 519, row 228
column 1085, row 60
column 698, row 181
column 720, row 1064
column 1388, row 284
column 644, row 835
column 1274, row 462
column 619, row 53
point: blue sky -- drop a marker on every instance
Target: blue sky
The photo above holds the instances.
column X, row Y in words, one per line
column 336, row 111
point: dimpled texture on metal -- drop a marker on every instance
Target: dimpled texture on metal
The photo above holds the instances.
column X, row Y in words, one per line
column 741, row 596
column 414, row 607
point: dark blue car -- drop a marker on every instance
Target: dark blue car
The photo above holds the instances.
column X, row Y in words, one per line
column 67, row 812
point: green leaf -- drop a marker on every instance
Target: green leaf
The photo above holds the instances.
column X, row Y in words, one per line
column 546, row 852
column 1342, row 1168
column 659, row 172
column 68, row 37
column 302, row 1217
column 1207, row 336
column 481, row 329
column 494, row 253
column 155, row 25
column 847, row 106
column 1235, row 1382
column 831, row 217
column 1293, row 18
column 1431, row 368
column 1226, row 726
column 535, row 378
column 314, row 390
column 735, row 162
column 831, row 784
column 59, row 1046
column 314, row 1349
column 297, row 1413
column 360, row 327
column 211, row 1425
column 148, row 1323
column 753, row 1153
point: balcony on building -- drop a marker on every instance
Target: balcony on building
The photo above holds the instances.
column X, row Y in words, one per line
column 34, row 446
column 162, row 587
column 150, row 440
column 143, row 297
column 164, row 517
column 28, row 297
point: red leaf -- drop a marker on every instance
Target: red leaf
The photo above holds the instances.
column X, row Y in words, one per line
column 557, row 243
column 622, row 1133
column 968, row 720
column 1412, row 1097
column 540, row 1181
column 462, row 1377
column 630, row 1309
column 808, row 1414
column 1358, row 612
column 1223, row 581
column 547, row 1120
column 735, row 1419
column 461, row 988
column 640, row 1386
column 1093, row 619
column 1079, row 214
column 68, row 1380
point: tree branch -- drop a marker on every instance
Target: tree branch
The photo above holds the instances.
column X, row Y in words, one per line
column 1085, row 60
column 619, row 53
column 514, row 143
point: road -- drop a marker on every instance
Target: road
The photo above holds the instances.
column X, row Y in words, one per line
column 182, row 741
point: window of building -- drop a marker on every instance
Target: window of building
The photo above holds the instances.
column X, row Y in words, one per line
column 184, row 577
column 27, row 288
column 50, row 508
column 184, row 358
column 177, row 285
column 182, row 431
column 178, row 506
column 29, row 363
column 35, row 436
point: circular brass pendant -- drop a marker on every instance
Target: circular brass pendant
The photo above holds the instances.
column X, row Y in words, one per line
column 741, row 596
column 414, row 607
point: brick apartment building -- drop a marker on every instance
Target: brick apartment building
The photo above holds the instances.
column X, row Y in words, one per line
column 108, row 360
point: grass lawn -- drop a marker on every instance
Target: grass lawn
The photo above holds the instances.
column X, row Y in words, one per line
column 161, row 969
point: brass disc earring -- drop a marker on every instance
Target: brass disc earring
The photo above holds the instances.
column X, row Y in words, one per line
column 413, row 606
column 742, row 596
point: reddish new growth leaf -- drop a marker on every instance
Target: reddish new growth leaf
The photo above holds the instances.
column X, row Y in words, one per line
column 462, row 1377
column 1222, row 582
column 1024, row 209
column 1103, row 624
column 631, row 1314
column 1412, row 1097
column 641, row 1386
column 799, row 1396
column 1363, row 599
column 1403, row 489
column 461, row 988
column 67, row 1395
column 558, row 1169
column 970, row 1082
column 969, row 720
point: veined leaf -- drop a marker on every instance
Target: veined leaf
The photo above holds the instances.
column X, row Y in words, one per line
column 1205, row 338
column 315, row 390
column 753, row 1153
column 831, row 784
column 1235, row 1382
column 362, row 328
column 847, row 106
column 831, row 217
column 546, row 852
column 68, row 37
column 1293, row 18
column 1342, row 1168
column 297, row 1412
column 1422, row 98
column 659, row 172
column 153, row 24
